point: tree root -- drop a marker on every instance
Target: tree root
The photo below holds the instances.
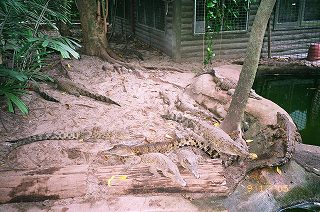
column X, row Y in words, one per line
column 3, row 125
column 108, row 55
column 169, row 68
column 104, row 54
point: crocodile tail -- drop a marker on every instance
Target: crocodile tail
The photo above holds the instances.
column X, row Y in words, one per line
column 41, row 93
column 28, row 140
column 42, row 137
column 101, row 98
column 198, row 142
column 180, row 118
column 46, row 96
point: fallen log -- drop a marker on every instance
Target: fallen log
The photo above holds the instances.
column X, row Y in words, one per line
column 81, row 180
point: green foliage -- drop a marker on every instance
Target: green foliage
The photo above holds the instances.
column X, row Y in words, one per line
column 219, row 14
column 25, row 47
column 13, row 85
column 306, row 191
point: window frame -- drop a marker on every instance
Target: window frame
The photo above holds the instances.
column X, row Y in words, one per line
column 223, row 31
column 153, row 27
column 300, row 23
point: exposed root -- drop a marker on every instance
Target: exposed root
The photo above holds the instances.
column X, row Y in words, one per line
column 114, row 55
column 1, row 121
column 163, row 68
column 106, row 56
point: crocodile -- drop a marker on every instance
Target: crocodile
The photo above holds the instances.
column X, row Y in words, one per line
column 286, row 131
column 36, row 88
column 213, row 137
column 124, row 150
column 77, row 89
column 188, row 160
column 159, row 161
column 94, row 133
column 181, row 140
column 289, row 133
column 70, row 87
column 229, row 85
column 185, row 103
column 213, row 142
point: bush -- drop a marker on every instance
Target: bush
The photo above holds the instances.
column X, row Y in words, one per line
column 25, row 48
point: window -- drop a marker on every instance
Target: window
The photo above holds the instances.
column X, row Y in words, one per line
column 151, row 13
column 123, row 9
column 120, row 8
column 297, row 13
column 290, row 11
column 311, row 10
column 235, row 16
column 159, row 14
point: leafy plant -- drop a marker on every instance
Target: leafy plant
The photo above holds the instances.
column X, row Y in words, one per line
column 13, row 85
column 219, row 16
column 25, row 46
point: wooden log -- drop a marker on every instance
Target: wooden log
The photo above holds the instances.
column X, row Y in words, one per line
column 81, row 180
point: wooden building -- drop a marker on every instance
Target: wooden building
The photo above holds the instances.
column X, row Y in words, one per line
column 176, row 27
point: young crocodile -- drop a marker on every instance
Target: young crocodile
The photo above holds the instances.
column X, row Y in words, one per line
column 213, row 137
column 94, row 133
column 188, row 160
column 77, row 89
column 181, row 140
column 70, row 87
column 289, row 133
column 36, row 88
column 229, row 85
column 159, row 161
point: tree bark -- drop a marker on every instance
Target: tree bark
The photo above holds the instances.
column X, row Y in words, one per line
column 239, row 101
column 94, row 35
column 64, row 29
column 80, row 180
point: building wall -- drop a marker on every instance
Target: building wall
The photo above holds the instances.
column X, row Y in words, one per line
column 229, row 45
column 226, row 44
column 179, row 41
column 159, row 39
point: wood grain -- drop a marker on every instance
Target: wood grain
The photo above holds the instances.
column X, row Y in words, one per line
column 81, row 180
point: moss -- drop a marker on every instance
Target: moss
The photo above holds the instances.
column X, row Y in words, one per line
column 307, row 191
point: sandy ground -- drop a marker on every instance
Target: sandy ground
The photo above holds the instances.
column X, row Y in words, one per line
column 136, row 121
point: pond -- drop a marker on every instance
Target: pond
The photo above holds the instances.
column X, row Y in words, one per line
column 299, row 96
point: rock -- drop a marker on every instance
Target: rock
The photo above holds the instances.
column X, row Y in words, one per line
column 267, row 190
column 308, row 156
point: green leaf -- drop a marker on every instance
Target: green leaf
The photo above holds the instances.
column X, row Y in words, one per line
column 10, row 106
column 4, row 72
column 45, row 43
column 18, row 102
column 210, row 4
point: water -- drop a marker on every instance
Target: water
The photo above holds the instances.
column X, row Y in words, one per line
column 300, row 97
column 306, row 206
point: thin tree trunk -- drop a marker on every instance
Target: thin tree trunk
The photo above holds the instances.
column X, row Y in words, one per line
column 94, row 33
column 94, row 36
column 239, row 101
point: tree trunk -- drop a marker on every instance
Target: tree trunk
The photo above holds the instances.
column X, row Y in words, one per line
column 93, row 30
column 64, row 29
column 239, row 101
column 73, row 181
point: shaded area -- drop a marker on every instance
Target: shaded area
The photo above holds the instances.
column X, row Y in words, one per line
column 299, row 96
